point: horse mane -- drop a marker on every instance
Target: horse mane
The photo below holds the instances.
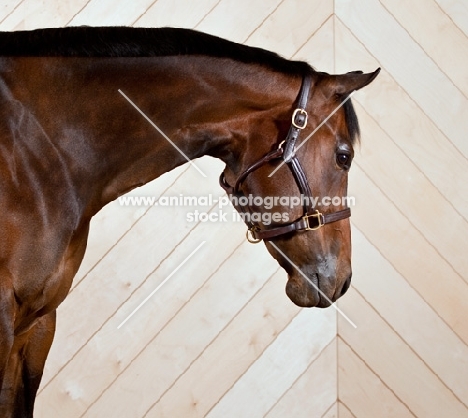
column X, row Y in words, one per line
column 352, row 122
column 85, row 41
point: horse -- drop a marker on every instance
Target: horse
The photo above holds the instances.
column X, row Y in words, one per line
column 71, row 142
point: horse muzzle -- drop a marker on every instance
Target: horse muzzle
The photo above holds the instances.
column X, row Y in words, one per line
column 316, row 290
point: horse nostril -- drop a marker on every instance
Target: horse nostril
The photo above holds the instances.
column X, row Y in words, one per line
column 345, row 286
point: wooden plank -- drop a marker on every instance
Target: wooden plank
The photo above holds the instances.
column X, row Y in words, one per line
column 409, row 127
column 276, row 32
column 111, row 12
column 457, row 12
column 434, row 342
column 282, row 362
column 30, row 14
column 220, row 366
column 406, row 61
column 176, row 13
column 318, row 50
column 332, row 412
column 172, row 349
column 230, row 19
column 409, row 253
column 344, row 412
column 410, row 190
column 422, row 20
column 362, row 390
column 394, row 362
column 7, row 8
column 314, row 392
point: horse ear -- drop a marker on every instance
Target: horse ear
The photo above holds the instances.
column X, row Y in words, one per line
column 344, row 84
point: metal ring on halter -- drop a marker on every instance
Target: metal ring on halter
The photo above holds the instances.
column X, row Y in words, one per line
column 250, row 236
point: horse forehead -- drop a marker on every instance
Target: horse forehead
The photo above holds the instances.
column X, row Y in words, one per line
column 325, row 118
column 320, row 142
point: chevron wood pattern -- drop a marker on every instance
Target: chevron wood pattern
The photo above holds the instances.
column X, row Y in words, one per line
column 220, row 338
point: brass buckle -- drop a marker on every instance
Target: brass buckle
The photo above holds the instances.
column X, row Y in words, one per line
column 302, row 111
column 317, row 215
column 250, row 236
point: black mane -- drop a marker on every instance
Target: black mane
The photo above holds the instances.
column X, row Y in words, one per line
column 84, row 41
column 352, row 122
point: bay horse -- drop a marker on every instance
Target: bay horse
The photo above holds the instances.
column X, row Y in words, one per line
column 70, row 143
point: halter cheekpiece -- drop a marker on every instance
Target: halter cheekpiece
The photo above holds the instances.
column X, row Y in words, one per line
column 311, row 219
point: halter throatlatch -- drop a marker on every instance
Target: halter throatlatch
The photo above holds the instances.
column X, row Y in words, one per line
column 311, row 219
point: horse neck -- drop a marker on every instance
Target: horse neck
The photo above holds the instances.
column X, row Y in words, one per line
column 193, row 106
column 122, row 122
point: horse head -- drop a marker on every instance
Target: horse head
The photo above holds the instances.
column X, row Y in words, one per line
column 295, row 196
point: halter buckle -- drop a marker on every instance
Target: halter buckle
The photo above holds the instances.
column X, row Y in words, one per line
column 320, row 221
column 299, row 125
column 250, row 235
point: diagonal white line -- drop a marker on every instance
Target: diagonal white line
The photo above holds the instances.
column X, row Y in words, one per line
column 315, row 130
column 314, row 285
column 161, row 132
column 160, row 285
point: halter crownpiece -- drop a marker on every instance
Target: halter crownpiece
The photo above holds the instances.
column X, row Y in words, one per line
column 311, row 219
column 298, row 120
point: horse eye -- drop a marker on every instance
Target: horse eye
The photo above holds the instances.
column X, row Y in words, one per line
column 343, row 160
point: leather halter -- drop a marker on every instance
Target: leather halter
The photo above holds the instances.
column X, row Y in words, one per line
column 311, row 219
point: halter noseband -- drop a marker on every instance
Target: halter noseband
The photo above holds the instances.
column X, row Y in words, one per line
column 311, row 219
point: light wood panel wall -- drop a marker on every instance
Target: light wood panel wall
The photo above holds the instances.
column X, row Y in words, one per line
column 220, row 338
column 409, row 355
